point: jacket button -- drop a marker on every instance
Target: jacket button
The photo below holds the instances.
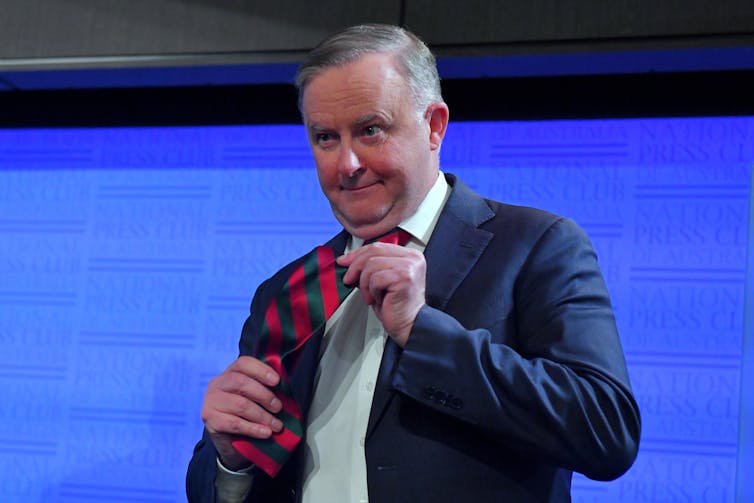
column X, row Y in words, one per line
column 429, row 393
column 441, row 397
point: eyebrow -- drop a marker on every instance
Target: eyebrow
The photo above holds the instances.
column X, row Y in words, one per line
column 370, row 117
column 315, row 127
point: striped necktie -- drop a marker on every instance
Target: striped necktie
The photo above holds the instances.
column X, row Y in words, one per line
column 311, row 295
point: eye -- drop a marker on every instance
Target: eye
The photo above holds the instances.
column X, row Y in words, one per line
column 324, row 139
column 372, row 130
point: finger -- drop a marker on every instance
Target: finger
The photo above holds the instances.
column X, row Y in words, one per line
column 356, row 259
column 256, row 369
column 235, row 425
column 247, row 387
column 369, row 292
column 369, row 266
column 355, row 263
column 346, row 259
column 404, row 277
column 380, row 282
column 222, row 403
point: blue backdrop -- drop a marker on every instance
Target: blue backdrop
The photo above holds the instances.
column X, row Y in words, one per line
column 128, row 258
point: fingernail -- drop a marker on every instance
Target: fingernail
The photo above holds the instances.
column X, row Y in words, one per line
column 264, row 431
column 276, row 424
column 275, row 404
column 271, row 380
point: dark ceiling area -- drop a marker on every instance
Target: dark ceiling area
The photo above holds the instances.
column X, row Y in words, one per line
column 525, row 98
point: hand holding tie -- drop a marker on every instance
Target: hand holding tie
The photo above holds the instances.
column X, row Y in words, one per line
column 392, row 280
column 240, row 402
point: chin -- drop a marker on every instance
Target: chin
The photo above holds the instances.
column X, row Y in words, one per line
column 364, row 228
column 361, row 218
column 370, row 223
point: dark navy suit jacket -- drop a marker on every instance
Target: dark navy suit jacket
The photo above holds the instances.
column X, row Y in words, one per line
column 513, row 376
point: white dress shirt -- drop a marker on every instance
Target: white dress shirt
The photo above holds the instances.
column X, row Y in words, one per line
column 335, row 465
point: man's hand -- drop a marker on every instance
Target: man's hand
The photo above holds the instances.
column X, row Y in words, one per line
column 392, row 280
column 239, row 402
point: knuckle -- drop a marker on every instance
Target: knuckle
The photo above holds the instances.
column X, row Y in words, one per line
column 235, row 382
column 235, row 425
column 215, row 382
column 238, row 403
column 206, row 415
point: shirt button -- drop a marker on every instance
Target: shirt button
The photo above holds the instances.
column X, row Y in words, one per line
column 370, row 385
column 361, row 441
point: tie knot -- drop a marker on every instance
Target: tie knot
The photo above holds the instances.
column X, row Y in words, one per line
column 396, row 236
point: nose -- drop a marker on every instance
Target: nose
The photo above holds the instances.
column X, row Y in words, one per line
column 348, row 162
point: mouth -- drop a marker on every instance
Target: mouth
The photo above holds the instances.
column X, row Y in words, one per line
column 360, row 188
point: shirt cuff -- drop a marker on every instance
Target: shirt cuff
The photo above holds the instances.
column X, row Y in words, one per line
column 230, row 486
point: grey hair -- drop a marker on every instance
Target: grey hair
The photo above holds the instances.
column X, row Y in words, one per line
column 413, row 56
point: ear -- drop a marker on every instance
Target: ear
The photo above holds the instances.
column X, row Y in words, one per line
column 437, row 115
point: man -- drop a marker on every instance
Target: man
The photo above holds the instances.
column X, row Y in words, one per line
column 480, row 362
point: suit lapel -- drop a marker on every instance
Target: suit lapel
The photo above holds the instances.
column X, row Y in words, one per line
column 453, row 250
column 451, row 254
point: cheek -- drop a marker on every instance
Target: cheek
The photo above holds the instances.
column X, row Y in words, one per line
column 326, row 170
column 389, row 161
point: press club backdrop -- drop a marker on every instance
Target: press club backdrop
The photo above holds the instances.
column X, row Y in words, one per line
column 128, row 258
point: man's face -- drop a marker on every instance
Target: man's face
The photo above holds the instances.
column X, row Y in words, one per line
column 376, row 156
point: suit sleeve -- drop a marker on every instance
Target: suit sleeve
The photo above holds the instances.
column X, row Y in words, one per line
column 202, row 469
column 200, row 477
column 549, row 379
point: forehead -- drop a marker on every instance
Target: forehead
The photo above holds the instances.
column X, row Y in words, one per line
column 370, row 82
